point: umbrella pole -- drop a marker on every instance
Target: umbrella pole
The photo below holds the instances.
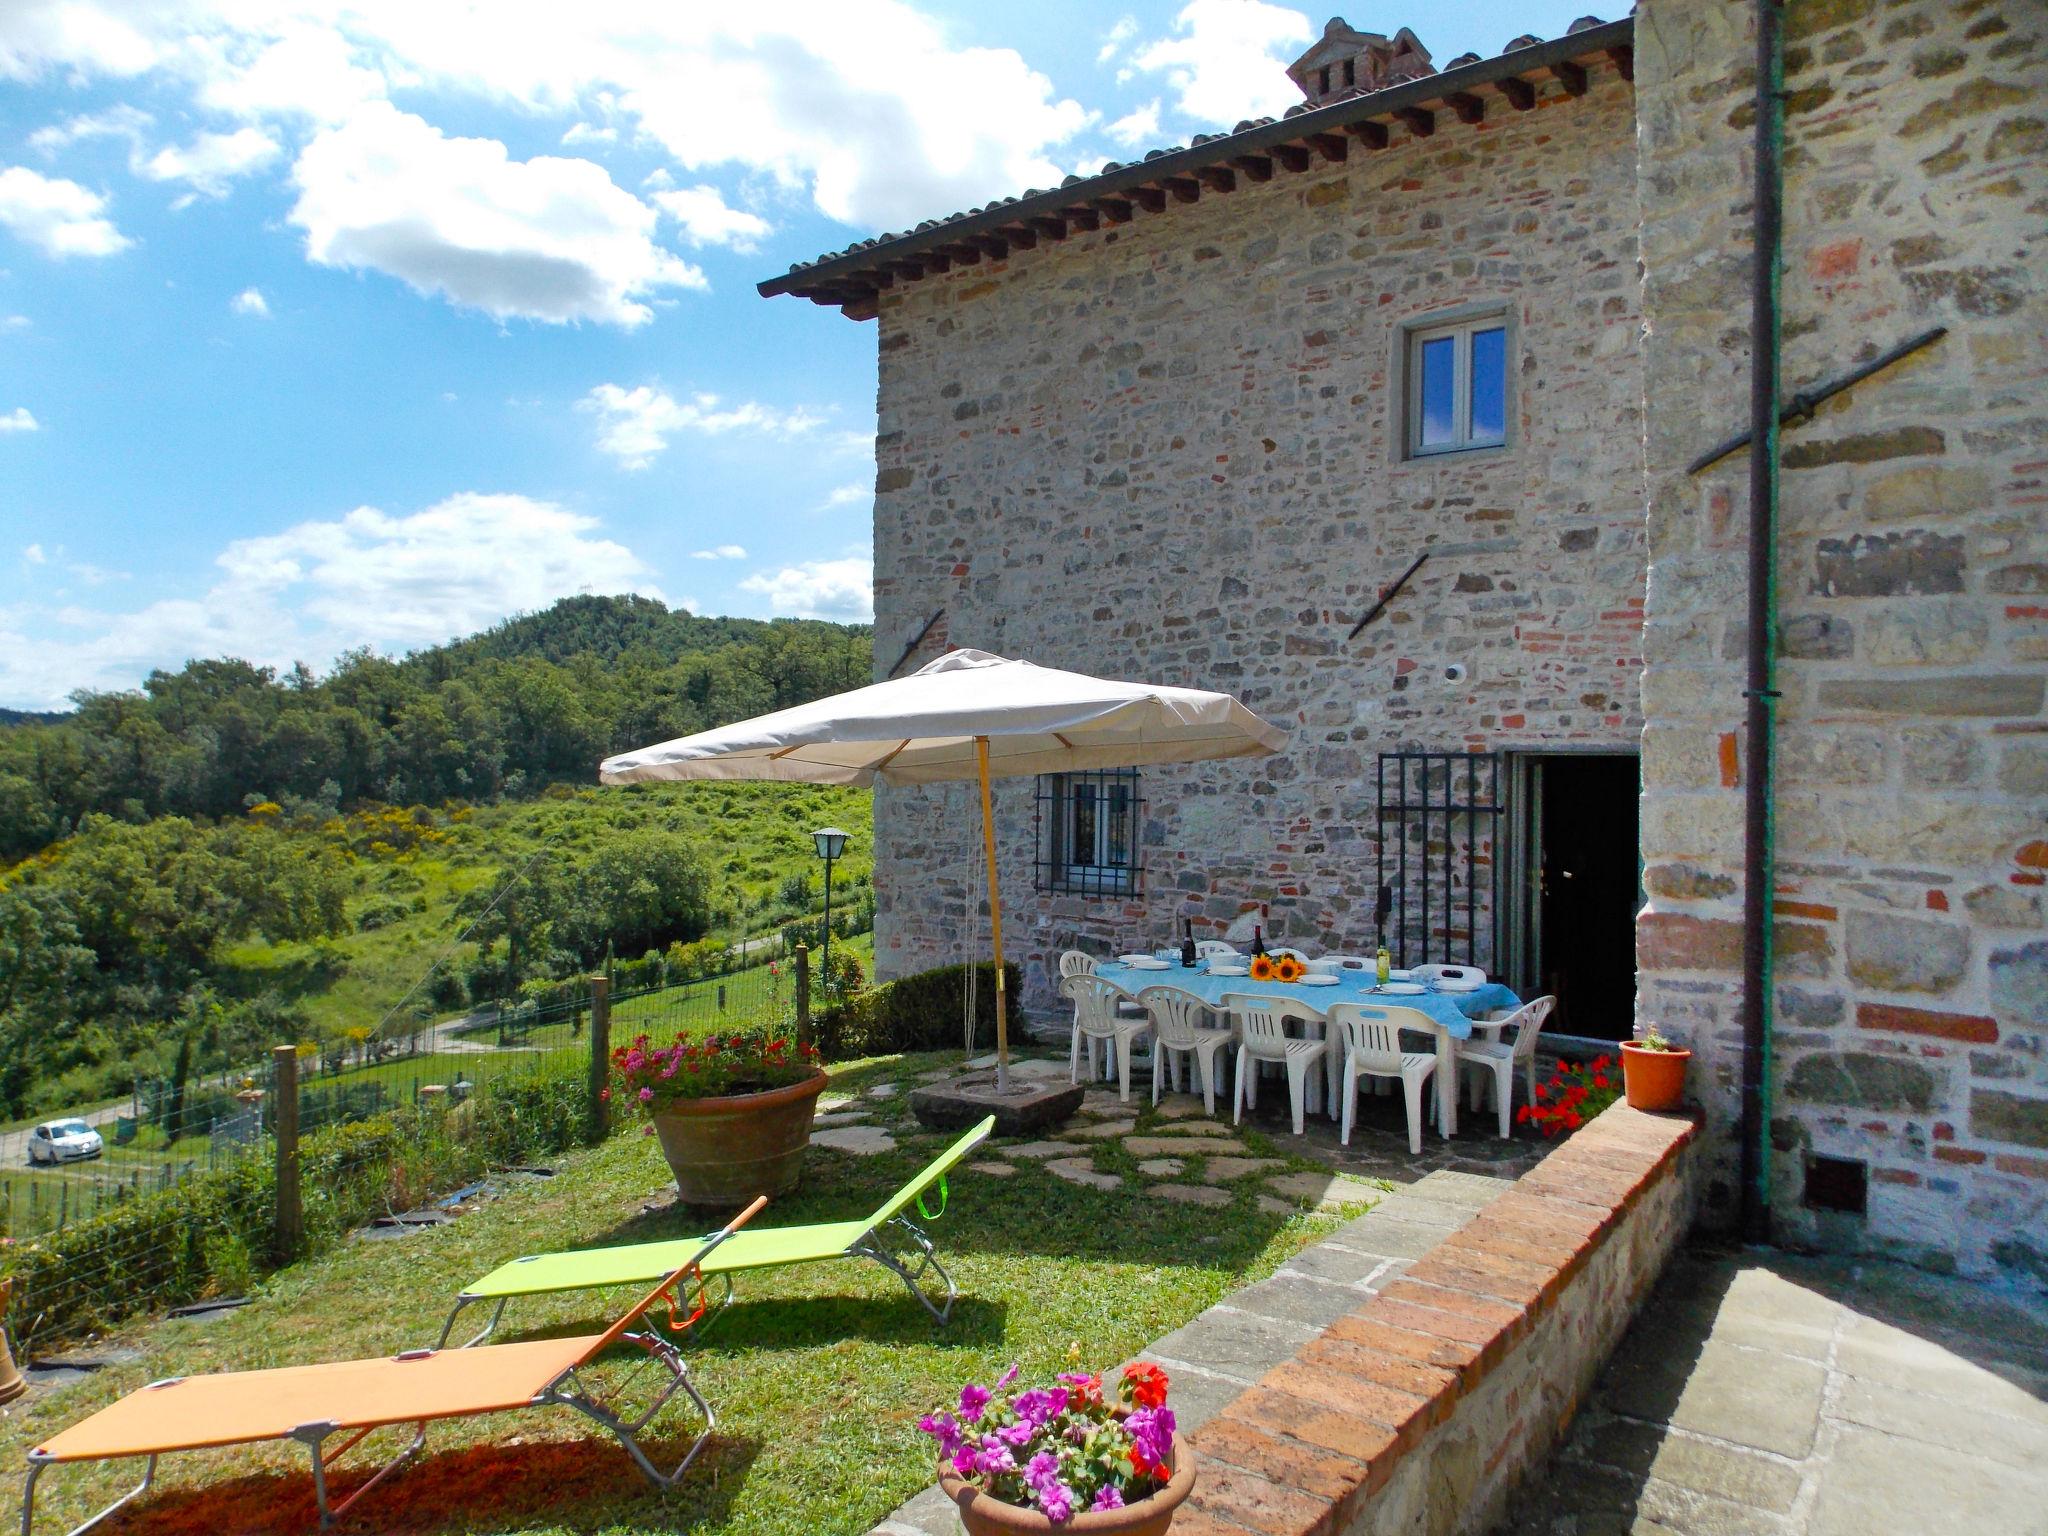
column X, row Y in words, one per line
column 995, row 915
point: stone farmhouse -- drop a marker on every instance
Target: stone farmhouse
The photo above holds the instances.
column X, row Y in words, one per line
column 1190, row 419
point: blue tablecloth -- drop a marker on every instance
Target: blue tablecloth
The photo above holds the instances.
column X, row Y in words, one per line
column 1454, row 1011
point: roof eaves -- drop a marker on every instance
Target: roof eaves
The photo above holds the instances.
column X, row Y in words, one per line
column 866, row 258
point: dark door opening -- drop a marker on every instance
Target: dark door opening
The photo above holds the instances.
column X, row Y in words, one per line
column 1581, row 889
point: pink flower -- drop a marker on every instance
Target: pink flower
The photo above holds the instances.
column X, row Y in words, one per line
column 646, row 1095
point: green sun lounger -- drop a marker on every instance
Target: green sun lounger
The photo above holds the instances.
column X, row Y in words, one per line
column 889, row 1237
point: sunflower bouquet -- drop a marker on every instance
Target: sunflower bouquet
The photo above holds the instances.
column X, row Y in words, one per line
column 1277, row 968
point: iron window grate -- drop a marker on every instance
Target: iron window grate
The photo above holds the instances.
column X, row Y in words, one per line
column 1439, row 823
column 1086, row 831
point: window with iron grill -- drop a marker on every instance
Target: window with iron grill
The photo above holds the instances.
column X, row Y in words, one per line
column 1088, row 832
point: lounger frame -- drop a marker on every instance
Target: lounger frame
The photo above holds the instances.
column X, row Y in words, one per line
column 567, row 1390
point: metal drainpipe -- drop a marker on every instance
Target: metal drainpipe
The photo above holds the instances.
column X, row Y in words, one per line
column 1758, row 871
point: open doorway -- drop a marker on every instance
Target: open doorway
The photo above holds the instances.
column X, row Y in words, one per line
column 1577, row 887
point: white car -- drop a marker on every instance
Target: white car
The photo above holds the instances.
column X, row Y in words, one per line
column 64, row 1141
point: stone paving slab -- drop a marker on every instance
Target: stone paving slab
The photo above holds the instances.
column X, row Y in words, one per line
column 1803, row 1397
column 1190, row 1194
column 860, row 1140
column 1078, row 1170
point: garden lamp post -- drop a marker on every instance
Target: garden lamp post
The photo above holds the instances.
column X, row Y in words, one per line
column 831, row 843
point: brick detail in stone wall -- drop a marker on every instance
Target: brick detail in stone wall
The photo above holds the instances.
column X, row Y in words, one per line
column 1912, row 785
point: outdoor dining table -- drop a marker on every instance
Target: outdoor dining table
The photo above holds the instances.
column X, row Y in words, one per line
column 1451, row 1014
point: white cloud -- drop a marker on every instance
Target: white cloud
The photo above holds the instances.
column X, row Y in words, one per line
column 1114, row 39
column 707, row 220
column 59, row 217
column 19, row 420
column 119, row 121
column 14, row 322
column 634, row 425
column 250, row 301
column 819, row 589
column 1221, row 63
column 722, row 552
column 1137, row 129
column 212, row 160
column 853, row 494
column 545, row 239
column 588, row 133
column 314, row 590
column 33, row 554
column 866, row 105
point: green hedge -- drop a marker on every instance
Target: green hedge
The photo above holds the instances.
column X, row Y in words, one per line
column 914, row 1013
column 214, row 1229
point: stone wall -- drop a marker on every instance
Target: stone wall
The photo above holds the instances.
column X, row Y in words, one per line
column 1166, row 450
column 1912, row 797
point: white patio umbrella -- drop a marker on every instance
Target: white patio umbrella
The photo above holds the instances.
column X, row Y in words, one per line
column 968, row 715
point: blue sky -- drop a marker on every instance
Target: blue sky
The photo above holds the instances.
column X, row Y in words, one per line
column 330, row 323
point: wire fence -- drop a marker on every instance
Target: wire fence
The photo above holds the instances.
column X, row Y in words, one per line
column 186, row 1201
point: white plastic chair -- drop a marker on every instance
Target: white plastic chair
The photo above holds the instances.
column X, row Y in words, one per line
column 1330, row 965
column 1096, row 1020
column 1501, row 1057
column 1176, row 1021
column 1262, row 1026
column 1277, row 951
column 1371, row 1041
column 1214, row 949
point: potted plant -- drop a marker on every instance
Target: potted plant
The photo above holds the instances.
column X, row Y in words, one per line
column 1065, row 1456
column 1653, row 1071
column 733, row 1112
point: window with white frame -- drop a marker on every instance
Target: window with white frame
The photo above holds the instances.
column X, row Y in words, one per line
column 1457, row 373
column 1088, row 832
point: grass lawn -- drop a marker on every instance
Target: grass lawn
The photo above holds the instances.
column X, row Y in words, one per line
column 817, row 1374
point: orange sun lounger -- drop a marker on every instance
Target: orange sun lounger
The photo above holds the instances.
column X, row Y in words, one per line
column 353, row 1398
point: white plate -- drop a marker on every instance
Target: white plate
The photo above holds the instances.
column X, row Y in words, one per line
column 1319, row 981
column 1399, row 975
column 1403, row 989
column 1448, row 984
column 1132, row 959
column 1147, row 963
column 1229, row 970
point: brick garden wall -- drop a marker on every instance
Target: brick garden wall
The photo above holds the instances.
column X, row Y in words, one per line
column 1165, row 450
column 1423, row 1409
column 1912, row 801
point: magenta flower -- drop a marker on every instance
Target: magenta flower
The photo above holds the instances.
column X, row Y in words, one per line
column 1042, row 1468
column 966, row 1461
column 1108, row 1498
column 995, row 1458
column 1039, row 1407
column 1007, row 1377
column 973, row 1400
column 1018, row 1434
column 646, row 1095
column 944, row 1429
column 1056, row 1501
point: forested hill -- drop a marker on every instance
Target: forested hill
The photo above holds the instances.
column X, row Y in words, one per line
column 537, row 700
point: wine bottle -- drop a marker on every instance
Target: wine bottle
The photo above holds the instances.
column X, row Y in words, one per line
column 1187, row 943
column 1258, row 938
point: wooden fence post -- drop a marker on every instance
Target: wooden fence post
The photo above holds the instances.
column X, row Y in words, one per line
column 290, row 1219
column 803, row 994
column 600, row 1058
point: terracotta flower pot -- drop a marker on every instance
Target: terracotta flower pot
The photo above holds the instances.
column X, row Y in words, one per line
column 1654, row 1080
column 726, row 1151
column 984, row 1516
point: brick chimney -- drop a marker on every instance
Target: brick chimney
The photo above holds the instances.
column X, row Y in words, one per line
column 1346, row 62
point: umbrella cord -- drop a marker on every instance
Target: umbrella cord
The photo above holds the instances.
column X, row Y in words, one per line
column 968, row 949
